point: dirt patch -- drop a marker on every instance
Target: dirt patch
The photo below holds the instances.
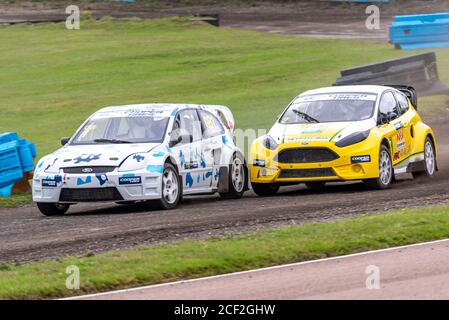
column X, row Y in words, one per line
column 309, row 18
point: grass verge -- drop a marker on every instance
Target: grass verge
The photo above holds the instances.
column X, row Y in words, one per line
column 191, row 259
column 16, row 200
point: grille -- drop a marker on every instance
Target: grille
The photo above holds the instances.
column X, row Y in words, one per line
column 306, row 155
column 98, row 169
column 90, row 195
column 307, row 173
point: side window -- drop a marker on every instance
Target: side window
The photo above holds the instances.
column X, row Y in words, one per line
column 187, row 123
column 211, row 125
column 403, row 102
column 388, row 110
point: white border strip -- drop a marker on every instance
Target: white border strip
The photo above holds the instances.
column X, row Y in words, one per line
column 258, row 270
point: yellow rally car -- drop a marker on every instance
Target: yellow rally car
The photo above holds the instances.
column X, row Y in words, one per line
column 345, row 133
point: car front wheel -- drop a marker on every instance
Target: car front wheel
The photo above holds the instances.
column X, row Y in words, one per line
column 171, row 189
column 385, row 171
column 52, row 209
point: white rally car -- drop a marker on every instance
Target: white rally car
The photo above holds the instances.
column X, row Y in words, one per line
column 156, row 152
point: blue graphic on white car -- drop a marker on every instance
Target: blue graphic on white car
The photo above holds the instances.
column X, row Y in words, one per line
column 152, row 152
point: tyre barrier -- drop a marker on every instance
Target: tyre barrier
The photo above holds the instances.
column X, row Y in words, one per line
column 16, row 160
column 420, row 31
column 418, row 71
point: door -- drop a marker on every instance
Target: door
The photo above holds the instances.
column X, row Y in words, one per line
column 211, row 146
column 408, row 119
column 392, row 124
column 187, row 129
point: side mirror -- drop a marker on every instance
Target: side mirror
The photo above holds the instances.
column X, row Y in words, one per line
column 65, row 140
column 184, row 138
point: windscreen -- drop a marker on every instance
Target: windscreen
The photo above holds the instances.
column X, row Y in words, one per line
column 339, row 107
column 123, row 129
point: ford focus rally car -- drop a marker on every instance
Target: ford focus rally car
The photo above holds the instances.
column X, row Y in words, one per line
column 345, row 133
column 132, row 153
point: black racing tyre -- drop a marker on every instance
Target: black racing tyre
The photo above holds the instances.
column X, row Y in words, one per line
column 125, row 203
column 429, row 161
column 265, row 189
column 316, row 185
column 238, row 175
column 52, row 209
column 171, row 189
column 386, row 172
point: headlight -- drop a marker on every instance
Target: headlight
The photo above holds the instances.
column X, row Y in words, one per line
column 134, row 162
column 353, row 139
column 269, row 143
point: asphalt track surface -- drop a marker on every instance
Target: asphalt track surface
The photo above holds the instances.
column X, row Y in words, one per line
column 26, row 235
column 409, row 272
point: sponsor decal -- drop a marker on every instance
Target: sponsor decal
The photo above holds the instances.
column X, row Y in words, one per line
column 259, row 163
column 305, row 139
column 158, row 154
column 337, row 96
column 51, row 182
column 360, row 159
column 87, row 170
column 102, row 178
column 80, row 181
column 130, row 180
column 87, row 158
column 191, row 165
column 312, row 130
column 400, row 138
column 189, row 180
column 138, row 157
column 155, row 168
column 396, row 156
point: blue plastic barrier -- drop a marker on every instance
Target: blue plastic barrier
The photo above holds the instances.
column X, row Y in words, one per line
column 16, row 158
column 420, row 31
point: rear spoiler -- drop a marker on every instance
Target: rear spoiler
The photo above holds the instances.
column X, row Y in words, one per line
column 224, row 114
column 409, row 91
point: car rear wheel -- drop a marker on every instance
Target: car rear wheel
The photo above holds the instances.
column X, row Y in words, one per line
column 429, row 160
column 237, row 178
column 385, row 171
column 52, row 209
column 171, row 189
column 265, row 189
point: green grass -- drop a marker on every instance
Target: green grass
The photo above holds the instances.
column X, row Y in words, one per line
column 53, row 78
column 191, row 259
column 16, row 200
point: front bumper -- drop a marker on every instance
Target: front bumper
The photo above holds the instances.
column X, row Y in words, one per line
column 351, row 164
column 72, row 188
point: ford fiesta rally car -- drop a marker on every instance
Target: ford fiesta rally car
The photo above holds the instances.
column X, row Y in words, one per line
column 345, row 133
column 155, row 152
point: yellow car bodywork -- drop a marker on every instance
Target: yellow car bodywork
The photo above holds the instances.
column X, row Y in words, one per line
column 405, row 137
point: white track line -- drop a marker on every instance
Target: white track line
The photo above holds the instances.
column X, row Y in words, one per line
column 261, row 269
